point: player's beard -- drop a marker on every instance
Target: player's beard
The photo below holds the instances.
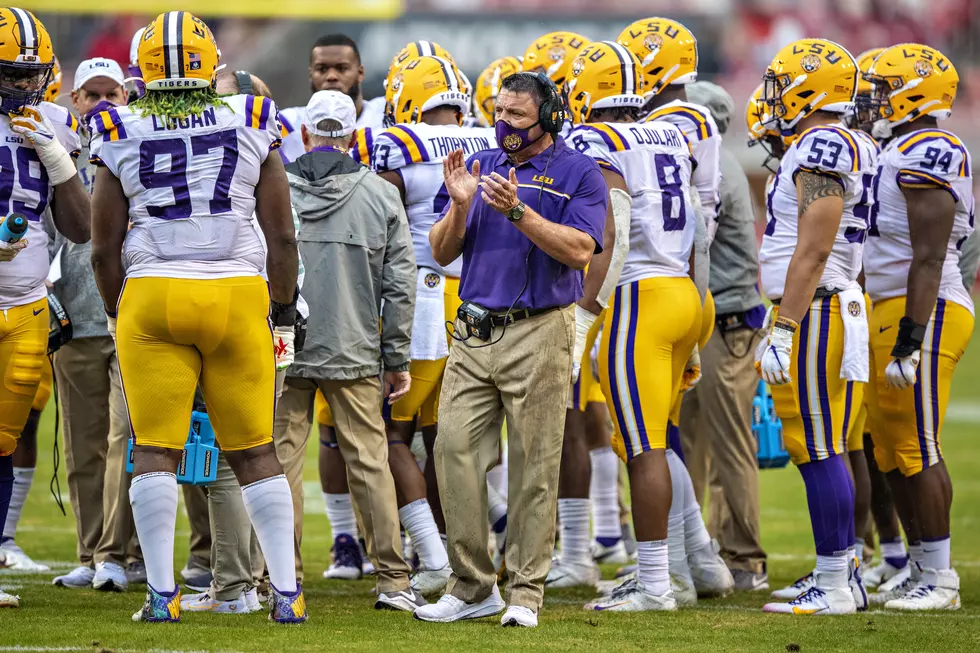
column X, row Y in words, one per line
column 353, row 92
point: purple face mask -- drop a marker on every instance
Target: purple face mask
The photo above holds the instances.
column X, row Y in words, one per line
column 137, row 79
column 511, row 139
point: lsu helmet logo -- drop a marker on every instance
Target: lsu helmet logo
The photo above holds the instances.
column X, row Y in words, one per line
column 810, row 63
column 922, row 68
column 653, row 43
column 432, row 280
column 578, row 66
column 557, row 53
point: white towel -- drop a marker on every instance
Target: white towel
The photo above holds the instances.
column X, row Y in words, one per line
column 854, row 313
column 429, row 341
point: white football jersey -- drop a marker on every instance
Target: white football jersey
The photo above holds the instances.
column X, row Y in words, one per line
column 191, row 186
column 699, row 126
column 654, row 158
column 838, row 152
column 372, row 117
column 24, row 188
column 416, row 152
column 928, row 158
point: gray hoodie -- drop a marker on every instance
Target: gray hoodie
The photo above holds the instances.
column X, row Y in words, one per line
column 357, row 251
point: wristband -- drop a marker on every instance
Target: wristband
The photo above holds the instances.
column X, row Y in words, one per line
column 785, row 324
column 284, row 315
column 909, row 339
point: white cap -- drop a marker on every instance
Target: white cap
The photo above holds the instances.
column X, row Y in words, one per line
column 134, row 47
column 97, row 67
column 331, row 105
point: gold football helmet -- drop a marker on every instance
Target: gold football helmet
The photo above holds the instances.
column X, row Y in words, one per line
column 806, row 76
column 53, row 90
column 26, row 59
column 417, row 49
column 488, row 85
column 422, row 84
column 552, row 54
column 762, row 131
column 910, row 81
column 177, row 52
column 605, row 74
column 666, row 49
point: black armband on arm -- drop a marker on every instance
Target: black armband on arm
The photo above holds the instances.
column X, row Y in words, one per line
column 910, row 337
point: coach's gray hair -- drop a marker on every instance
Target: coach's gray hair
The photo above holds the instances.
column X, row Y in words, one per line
column 328, row 125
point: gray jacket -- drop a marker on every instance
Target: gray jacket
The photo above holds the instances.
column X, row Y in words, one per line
column 357, row 251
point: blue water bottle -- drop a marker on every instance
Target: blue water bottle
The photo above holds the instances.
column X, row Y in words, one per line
column 13, row 228
column 768, row 430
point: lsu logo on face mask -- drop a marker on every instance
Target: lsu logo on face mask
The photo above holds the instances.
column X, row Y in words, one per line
column 512, row 142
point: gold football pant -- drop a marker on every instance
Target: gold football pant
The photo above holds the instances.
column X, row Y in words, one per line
column 23, row 348
column 172, row 333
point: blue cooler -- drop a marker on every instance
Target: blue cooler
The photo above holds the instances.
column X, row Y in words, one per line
column 768, row 430
column 199, row 462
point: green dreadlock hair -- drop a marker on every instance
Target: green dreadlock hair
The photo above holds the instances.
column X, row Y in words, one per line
column 178, row 105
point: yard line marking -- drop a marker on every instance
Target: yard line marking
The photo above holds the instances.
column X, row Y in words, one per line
column 964, row 412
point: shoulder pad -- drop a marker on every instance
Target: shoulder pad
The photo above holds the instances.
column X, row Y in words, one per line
column 601, row 132
column 110, row 124
column 831, row 148
column 257, row 112
column 408, row 142
column 695, row 121
column 361, row 145
column 917, row 147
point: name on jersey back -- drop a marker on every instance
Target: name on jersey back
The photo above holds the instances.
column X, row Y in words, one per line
column 206, row 119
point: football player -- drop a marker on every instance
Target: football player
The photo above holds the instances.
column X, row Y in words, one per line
column 335, row 64
column 810, row 259
column 181, row 172
column 425, row 105
column 488, row 85
column 39, row 170
column 923, row 315
column 651, row 163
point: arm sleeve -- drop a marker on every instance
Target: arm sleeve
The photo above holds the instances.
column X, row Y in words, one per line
column 586, row 211
column 594, row 144
column 397, row 288
column 828, row 151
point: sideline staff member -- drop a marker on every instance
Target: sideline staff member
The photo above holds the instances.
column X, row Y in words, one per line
column 520, row 282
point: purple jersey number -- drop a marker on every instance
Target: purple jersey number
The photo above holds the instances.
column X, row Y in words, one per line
column 175, row 177
column 668, row 176
column 29, row 175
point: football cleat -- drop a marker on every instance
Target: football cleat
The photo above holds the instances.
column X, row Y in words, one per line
column 880, row 574
column 857, row 585
column 77, row 578
column 685, row 592
column 204, row 602
column 817, row 601
column 160, row 608
column 894, row 588
column 565, row 574
column 710, row 573
column 431, row 581
column 407, row 600
column 610, row 555
column 13, row 557
column 801, row 585
column 631, row 596
column 936, row 590
column 287, row 607
column 348, row 563
column 9, row 600
column 518, row 615
column 449, row 608
column 109, row 577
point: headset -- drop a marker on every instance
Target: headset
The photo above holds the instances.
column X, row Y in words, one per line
column 244, row 82
column 551, row 113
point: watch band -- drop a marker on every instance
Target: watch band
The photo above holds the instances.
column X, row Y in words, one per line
column 517, row 212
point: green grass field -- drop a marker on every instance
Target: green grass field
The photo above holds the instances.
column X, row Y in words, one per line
column 342, row 616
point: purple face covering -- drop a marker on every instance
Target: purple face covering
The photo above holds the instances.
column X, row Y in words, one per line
column 511, row 139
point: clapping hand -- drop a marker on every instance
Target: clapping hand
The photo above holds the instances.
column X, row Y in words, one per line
column 500, row 193
column 460, row 183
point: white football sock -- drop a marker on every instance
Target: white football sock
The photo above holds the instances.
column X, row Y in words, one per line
column 935, row 554
column 496, row 508
column 420, row 525
column 653, row 571
column 573, row 517
column 270, row 509
column 893, row 549
column 832, row 570
column 604, row 493
column 154, row 500
column 497, row 477
column 23, row 478
column 858, row 549
column 340, row 514
column 676, row 540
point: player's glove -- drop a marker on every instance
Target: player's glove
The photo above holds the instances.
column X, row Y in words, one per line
column 692, row 371
column 283, row 318
column 583, row 323
column 33, row 125
column 8, row 251
column 111, row 324
column 900, row 373
column 775, row 363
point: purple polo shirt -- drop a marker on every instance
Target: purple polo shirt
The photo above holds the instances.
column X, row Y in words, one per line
column 494, row 254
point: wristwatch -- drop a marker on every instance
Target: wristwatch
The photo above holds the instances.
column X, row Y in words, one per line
column 516, row 213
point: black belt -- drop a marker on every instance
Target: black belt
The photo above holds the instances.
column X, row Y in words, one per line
column 821, row 293
column 502, row 318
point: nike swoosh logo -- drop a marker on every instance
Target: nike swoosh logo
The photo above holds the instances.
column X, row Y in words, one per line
column 38, row 311
column 883, row 329
column 608, row 607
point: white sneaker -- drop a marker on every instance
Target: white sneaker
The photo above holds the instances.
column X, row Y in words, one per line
column 408, row 600
column 12, row 600
column 431, row 581
column 817, row 601
column 894, row 588
column 109, row 577
column 448, row 608
column 611, row 555
column 13, row 557
column 252, row 603
column 572, row 574
column 936, row 590
column 856, row 584
column 631, row 596
column 801, row 585
column 882, row 573
column 684, row 591
column 76, row 578
column 518, row 615
column 203, row 602
column 710, row 573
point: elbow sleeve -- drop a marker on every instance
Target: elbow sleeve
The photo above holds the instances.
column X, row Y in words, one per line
column 622, row 206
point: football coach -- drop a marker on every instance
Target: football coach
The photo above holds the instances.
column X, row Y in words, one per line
column 526, row 218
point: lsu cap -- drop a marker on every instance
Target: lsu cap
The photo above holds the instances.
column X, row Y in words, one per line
column 331, row 105
column 97, row 67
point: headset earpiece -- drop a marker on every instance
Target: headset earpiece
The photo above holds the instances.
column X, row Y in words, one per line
column 551, row 113
column 244, row 79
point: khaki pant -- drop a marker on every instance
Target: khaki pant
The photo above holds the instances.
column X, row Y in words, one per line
column 236, row 559
column 526, row 375
column 719, row 448
column 96, row 430
column 196, row 504
column 361, row 437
